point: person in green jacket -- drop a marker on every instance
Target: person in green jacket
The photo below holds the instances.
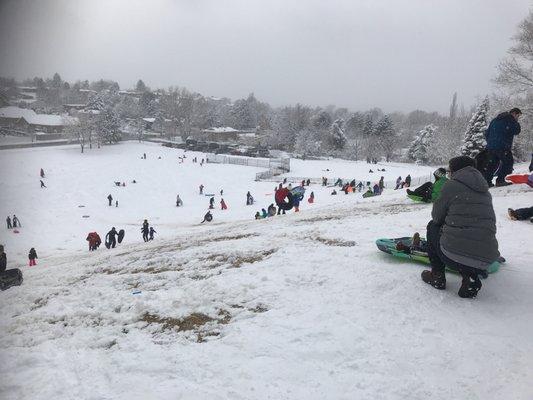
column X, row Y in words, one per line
column 429, row 192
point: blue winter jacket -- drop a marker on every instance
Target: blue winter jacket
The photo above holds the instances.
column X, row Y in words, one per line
column 501, row 132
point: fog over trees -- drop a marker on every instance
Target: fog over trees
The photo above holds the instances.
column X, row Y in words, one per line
column 420, row 136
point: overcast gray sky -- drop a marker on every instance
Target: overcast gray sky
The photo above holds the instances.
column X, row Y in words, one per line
column 393, row 54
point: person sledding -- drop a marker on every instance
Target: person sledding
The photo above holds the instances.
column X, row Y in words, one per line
column 429, row 191
column 257, row 215
column 223, row 205
column 368, row 193
column 521, row 214
column 311, row 198
column 208, row 217
column 264, row 213
column 462, row 232
column 281, row 195
column 271, row 211
column 8, row 277
column 42, row 173
column 94, row 240
column 32, row 256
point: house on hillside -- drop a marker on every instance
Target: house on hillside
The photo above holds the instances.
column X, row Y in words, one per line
column 28, row 121
column 10, row 116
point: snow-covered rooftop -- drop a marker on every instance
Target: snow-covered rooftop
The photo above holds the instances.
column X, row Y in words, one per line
column 226, row 129
column 16, row 112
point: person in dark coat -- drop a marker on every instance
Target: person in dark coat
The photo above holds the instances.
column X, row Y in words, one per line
column 42, row 184
column 381, row 184
column 42, row 173
column 499, row 136
column 308, row 182
column 257, row 215
column 207, row 217
column 32, row 255
column 16, row 222
column 145, row 230
column 3, row 259
column 152, row 231
column 521, row 214
column 212, row 203
column 179, row 202
column 111, row 237
column 8, row 221
column 110, row 199
column 462, row 231
column 408, row 181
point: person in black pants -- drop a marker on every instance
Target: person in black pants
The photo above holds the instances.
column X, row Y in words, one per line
column 145, row 230
column 110, row 199
column 499, row 136
column 111, row 237
column 521, row 214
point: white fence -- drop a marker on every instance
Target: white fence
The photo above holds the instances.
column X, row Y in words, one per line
column 275, row 166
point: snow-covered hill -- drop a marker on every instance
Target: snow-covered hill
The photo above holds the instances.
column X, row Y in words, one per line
column 300, row 306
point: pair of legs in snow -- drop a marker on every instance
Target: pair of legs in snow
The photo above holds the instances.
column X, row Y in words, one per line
column 521, row 214
column 437, row 277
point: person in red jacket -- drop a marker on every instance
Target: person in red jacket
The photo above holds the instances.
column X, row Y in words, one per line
column 223, row 205
column 280, row 196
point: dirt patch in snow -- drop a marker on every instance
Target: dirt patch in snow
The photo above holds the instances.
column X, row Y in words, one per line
column 335, row 242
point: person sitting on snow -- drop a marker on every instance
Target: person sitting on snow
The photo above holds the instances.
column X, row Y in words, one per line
column 462, row 232
column 207, row 217
column 429, row 192
column 257, row 215
column 264, row 213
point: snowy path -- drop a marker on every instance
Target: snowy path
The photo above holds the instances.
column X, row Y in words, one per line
column 301, row 306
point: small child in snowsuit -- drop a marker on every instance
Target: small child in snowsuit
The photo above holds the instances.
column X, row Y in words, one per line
column 32, row 256
column 152, row 231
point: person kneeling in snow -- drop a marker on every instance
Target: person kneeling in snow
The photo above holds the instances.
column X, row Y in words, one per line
column 462, row 232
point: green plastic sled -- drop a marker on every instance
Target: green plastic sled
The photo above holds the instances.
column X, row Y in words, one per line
column 389, row 246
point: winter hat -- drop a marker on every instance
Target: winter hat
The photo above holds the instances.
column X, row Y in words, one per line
column 439, row 173
column 460, row 162
column 515, row 110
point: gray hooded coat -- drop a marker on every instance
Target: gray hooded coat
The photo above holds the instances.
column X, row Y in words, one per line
column 465, row 212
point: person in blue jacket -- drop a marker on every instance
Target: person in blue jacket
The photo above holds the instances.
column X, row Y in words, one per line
column 499, row 136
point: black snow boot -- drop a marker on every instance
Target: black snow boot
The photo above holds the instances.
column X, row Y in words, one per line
column 437, row 279
column 470, row 286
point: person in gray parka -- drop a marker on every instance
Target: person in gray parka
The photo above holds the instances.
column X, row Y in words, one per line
column 462, row 232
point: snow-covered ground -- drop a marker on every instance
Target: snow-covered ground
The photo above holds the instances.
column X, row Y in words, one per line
column 300, row 306
column 75, row 202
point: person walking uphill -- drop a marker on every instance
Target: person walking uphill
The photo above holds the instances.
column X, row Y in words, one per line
column 32, row 255
column 111, row 238
column 462, row 231
column 499, row 136
column 145, row 230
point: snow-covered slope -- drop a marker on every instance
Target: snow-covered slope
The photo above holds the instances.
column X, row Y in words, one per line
column 300, row 306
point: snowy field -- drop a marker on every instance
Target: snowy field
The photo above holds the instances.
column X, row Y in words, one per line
column 78, row 185
column 300, row 306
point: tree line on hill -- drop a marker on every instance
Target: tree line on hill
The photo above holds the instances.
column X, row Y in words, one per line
column 420, row 136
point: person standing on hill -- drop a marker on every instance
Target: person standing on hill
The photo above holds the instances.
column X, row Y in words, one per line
column 16, row 222
column 111, row 237
column 201, row 187
column 152, row 231
column 8, row 221
column 499, row 136
column 42, row 173
column 145, row 230
column 110, row 199
column 223, row 205
column 179, row 202
column 32, row 255
column 381, row 184
column 408, row 181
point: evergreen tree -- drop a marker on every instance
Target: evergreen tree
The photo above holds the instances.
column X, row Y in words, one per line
column 337, row 138
column 108, row 126
column 474, row 140
column 419, row 149
column 386, row 136
column 140, row 87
